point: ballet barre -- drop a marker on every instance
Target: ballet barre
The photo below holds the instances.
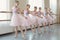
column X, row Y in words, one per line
column 5, row 12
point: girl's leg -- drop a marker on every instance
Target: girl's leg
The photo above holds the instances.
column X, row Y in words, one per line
column 39, row 29
column 44, row 27
column 34, row 28
column 52, row 22
column 31, row 26
column 45, row 23
column 49, row 27
column 16, row 31
column 22, row 32
column 49, row 24
column 25, row 29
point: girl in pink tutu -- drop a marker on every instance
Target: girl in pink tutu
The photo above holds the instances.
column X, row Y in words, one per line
column 49, row 18
column 34, row 19
column 52, row 15
column 27, row 22
column 16, row 19
column 42, row 20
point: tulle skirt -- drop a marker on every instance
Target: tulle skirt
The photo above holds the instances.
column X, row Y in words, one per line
column 49, row 18
column 33, row 19
column 39, row 21
column 15, row 20
column 25, row 22
column 54, row 17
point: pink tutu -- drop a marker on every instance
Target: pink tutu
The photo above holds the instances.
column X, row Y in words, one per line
column 39, row 21
column 44, row 20
column 33, row 19
column 15, row 20
column 54, row 17
column 25, row 22
column 49, row 18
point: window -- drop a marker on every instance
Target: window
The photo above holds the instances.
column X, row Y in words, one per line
column 5, row 16
column 38, row 3
column 4, row 6
column 53, row 5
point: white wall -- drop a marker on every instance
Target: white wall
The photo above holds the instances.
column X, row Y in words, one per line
column 47, row 3
column 22, row 3
column 39, row 3
column 58, row 11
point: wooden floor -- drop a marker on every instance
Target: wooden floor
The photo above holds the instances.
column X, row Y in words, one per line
column 51, row 34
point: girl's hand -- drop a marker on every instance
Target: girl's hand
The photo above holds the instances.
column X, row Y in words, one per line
column 46, row 17
column 26, row 17
column 41, row 17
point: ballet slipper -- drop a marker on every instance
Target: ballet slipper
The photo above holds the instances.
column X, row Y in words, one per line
column 16, row 36
column 39, row 33
column 23, row 36
column 44, row 31
column 25, row 32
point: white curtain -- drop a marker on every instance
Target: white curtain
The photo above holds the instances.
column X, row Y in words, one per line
column 53, row 5
column 38, row 3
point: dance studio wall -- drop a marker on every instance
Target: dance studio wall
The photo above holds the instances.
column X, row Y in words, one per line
column 22, row 3
column 46, row 3
column 58, row 11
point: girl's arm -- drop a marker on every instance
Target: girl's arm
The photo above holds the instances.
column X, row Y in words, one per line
column 53, row 13
column 19, row 10
column 22, row 11
column 42, row 12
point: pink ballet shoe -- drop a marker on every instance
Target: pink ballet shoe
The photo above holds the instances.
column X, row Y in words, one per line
column 16, row 36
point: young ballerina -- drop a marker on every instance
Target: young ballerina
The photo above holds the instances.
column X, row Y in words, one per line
column 42, row 19
column 52, row 15
column 16, row 19
column 49, row 18
column 34, row 22
column 28, row 22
